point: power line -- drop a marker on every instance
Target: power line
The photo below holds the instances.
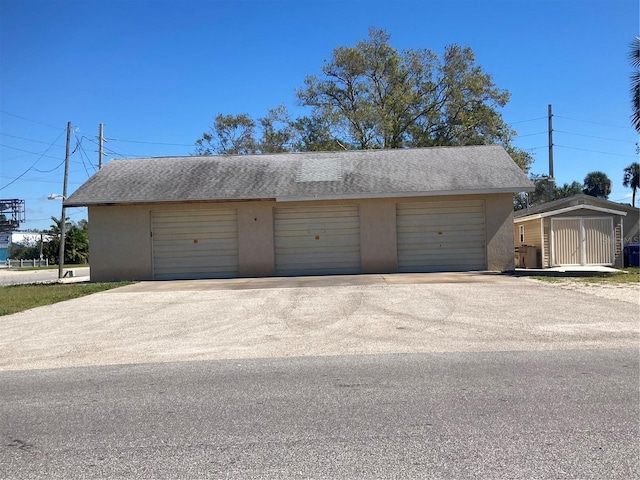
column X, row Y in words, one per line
column 594, row 136
column 83, row 155
column 150, row 143
column 108, row 151
column 28, row 151
column 29, row 119
column 595, row 123
column 48, row 171
column 596, row 151
column 34, row 163
column 27, row 139
column 530, row 120
column 531, row 134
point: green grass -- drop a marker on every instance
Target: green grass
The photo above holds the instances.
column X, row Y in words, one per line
column 16, row 298
column 630, row 275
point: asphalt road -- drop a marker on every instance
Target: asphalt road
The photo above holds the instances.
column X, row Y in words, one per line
column 17, row 277
column 544, row 414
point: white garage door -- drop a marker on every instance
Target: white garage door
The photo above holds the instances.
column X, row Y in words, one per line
column 317, row 240
column 566, row 241
column 441, row 236
column 191, row 244
column 582, row 241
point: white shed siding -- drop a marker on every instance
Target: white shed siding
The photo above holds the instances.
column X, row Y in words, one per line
column 442, row 235
column 190, row 244
column 317, row 240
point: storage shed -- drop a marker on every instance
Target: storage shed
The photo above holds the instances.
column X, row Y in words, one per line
column 313, row 213
column 578, row 230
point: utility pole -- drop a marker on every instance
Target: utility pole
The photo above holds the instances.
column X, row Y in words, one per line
column 64, row 209
column 552, row 178
column 100, row 150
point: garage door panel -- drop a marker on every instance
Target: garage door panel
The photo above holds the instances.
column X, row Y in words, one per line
column 435, row 222
column 297, row 217
column 466, row 205
column 302, row 244
column 317, row 240
column 320, row 231
column 436, row 236
column 326, row 256
column 461, row 257
column 190, row 244
column 444, row 243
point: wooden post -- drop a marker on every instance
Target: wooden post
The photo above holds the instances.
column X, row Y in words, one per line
column 64, row 209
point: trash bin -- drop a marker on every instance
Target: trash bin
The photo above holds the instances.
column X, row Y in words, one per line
column 632, row 255
column 528, row 256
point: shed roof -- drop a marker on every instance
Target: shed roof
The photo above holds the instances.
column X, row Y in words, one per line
column 579, row 199
column 572, row 208
column 305, row 176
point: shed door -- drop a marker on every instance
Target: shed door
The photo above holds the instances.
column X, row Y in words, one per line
column 583, row 241
column 565, row 233
column 317, row 240
column 599, row 241
column 441, row 236
column 190, row 244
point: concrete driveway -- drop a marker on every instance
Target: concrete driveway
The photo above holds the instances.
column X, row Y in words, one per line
column 340, row 315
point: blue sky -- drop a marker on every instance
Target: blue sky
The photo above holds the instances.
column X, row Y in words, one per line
column 159, row 71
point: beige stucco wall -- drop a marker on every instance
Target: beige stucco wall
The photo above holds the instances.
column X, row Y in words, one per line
column 120, row 243
column 378, row 242
column 121, row 246
column 499, row 231
column 255, row 239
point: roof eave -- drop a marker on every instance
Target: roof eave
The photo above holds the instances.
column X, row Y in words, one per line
column 573, row 208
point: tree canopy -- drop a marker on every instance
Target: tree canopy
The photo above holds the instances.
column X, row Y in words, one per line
column 634, row 58
column 631, row 179
column 597, row 184
column 542, row 192
column 76, row 247
column 373, row 96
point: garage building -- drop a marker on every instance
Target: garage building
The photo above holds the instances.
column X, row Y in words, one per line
column 312, row 213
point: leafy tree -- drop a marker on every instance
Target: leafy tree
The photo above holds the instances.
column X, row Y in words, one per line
column 374, row 96
column 542, row 192
column 631, row 179
column 634, row 57
column 27, row 249
column 229, row 135
column 76, row 242
column 567, row 190
column 597, row 184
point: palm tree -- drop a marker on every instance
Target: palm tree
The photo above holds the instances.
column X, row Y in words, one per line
column 632, row 179
column 634, row 57
column 597, row 184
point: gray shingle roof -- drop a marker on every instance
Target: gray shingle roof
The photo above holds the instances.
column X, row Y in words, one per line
column 573, row 200
column 309, row 175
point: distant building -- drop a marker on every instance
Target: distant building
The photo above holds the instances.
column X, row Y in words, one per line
column 7, row 238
